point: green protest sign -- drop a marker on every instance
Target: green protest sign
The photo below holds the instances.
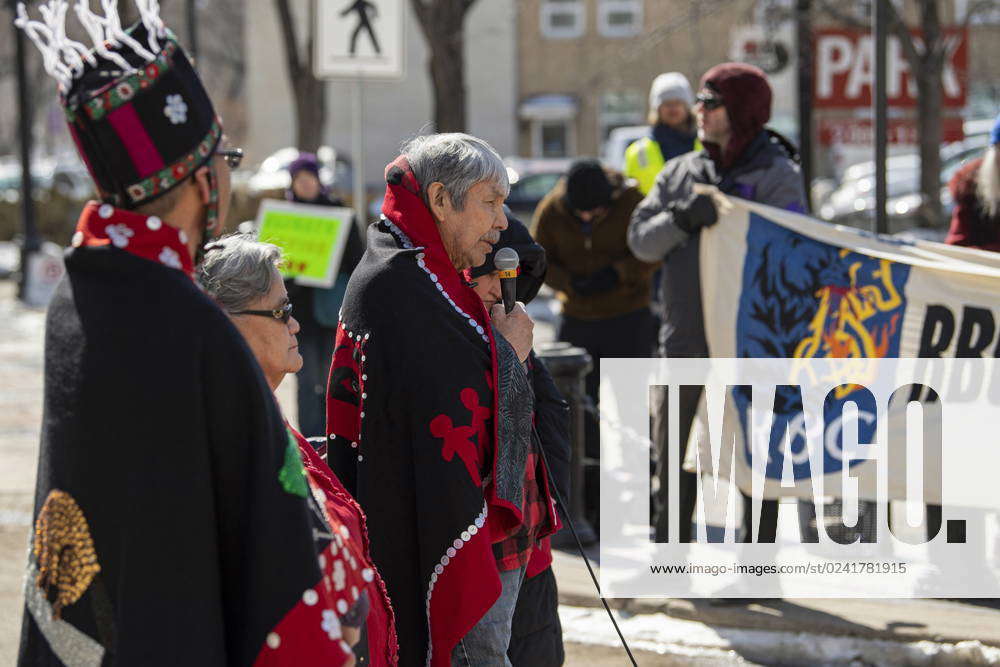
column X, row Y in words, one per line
column 312, row 238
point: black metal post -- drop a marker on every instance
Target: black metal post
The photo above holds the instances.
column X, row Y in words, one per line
column 803, row 37
column 569, row 366
column 32, row 242
column 191, row 10
column 880, row 110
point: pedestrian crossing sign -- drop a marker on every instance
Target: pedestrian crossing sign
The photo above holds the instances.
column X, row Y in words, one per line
column 360, row 39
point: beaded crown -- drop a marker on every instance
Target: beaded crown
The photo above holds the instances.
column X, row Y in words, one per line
column 137, row 111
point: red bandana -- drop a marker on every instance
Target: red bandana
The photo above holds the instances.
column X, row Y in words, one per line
column 143, row 236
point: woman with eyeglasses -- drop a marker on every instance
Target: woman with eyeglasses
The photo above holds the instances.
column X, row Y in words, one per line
column 241, row 275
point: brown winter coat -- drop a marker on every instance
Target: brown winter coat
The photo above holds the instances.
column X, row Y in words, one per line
column 571, row 254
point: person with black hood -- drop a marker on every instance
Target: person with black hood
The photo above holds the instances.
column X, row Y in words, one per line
column 605, row 290
column 536, row 633
column 742, row 159
column 317, row 308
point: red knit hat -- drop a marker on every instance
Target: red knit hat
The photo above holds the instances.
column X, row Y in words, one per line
column 747, row 96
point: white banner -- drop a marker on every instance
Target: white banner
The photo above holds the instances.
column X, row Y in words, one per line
column 805, row 290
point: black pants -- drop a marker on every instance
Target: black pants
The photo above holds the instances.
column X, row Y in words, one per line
column 687, row 489
column 316, row 348
column 627, row 336
column 536, row 633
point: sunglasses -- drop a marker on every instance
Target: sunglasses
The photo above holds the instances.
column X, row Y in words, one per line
column 233, row 156
column 709, row 102
column 282, row 313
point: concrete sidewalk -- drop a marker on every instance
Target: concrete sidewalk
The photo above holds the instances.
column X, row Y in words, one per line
column 900, row 620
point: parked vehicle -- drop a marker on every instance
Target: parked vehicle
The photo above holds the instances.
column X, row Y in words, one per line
column 66, row 176
column 618, row 141
column 530, row 180
column 272, row 175
column 853, row 203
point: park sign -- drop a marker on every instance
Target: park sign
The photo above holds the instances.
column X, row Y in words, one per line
column 360, row 39
column 312, row 238
column 845, row 70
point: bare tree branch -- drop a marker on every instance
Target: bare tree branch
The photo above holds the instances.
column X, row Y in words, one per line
column 422, row 11
column 842, row 16
column 290, row 38
column 898, row 27
column 442, row 23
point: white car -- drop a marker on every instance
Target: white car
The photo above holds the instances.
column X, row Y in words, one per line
column 273, row 171
column 618, row 141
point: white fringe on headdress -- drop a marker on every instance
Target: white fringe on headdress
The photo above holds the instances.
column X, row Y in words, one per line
column 64, row 59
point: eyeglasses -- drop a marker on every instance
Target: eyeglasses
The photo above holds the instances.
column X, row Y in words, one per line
column 233, row 156
column 709, row 102
column 282, row 313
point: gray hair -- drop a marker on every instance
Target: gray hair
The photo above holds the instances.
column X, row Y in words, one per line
column 988, row 183
column 456, row 160
column 238, row 270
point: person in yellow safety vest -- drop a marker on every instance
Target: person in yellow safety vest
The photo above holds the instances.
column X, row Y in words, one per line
column 672, row 130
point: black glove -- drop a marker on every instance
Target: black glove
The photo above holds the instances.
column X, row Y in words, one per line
column 600, row 281
column 695, row 212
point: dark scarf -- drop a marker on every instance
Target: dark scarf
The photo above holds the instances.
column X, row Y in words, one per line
column 411, row 413
column 673, row 142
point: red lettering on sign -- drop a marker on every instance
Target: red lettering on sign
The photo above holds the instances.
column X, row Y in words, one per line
column 837, row 131
column 844, row 68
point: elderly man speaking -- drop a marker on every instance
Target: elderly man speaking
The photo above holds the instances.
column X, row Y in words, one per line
column 412, row 408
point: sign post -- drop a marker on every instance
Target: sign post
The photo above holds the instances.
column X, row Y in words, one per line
column 880, row 107
column 359, row 40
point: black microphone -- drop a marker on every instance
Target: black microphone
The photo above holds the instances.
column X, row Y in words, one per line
column 506, row 262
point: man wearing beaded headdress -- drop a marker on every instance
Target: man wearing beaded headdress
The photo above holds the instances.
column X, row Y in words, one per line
column 173, row 522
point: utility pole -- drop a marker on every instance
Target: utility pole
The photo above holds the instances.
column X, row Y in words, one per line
column 191, row 11
column 803, row 38
column 32, row 242
column 880, row 109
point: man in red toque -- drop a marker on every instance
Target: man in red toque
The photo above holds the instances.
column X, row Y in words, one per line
column 744, row 159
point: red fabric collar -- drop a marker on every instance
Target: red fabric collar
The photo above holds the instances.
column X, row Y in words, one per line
column 406, row 210
column 143, row 236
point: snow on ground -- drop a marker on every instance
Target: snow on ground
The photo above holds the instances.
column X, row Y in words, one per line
column 659, row 633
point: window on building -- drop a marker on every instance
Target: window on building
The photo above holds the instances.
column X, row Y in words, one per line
column 619, row 18
column 620, row 109
column 551, row 123
column 563, row 19
column 554, row 139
